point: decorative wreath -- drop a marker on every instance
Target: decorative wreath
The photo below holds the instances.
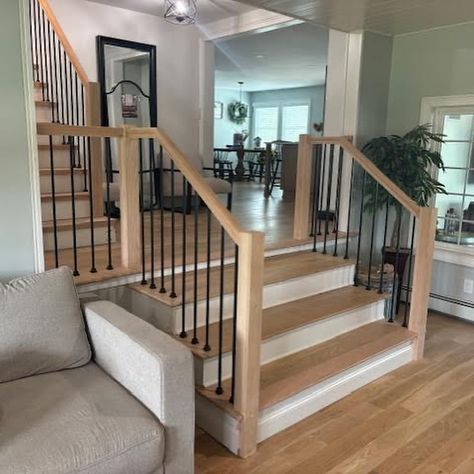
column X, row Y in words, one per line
column 238, row 112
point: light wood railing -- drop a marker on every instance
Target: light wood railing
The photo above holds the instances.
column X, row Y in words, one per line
column 425, row 221
column 250, row 256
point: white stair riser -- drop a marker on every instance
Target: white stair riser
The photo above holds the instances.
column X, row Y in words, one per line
column 225, row 429
column 83, row 236
column 294, row 341
column 62, row 183
column 273, row 294
column 61, row 158
column 64, row 209
column 43, row 114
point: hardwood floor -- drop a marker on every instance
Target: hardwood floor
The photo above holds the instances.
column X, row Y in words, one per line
column 274, row 217
column 418, row 419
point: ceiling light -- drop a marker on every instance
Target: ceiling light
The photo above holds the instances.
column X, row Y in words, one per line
column 180, row 12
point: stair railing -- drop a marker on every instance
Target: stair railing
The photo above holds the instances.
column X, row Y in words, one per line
column 347, row 205
column 166, row 241
column 65, row 88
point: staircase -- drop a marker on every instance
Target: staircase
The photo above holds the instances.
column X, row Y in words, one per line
column 322, row 338
column 59, row 97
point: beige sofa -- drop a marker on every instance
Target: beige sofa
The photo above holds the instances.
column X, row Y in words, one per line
column 94, row 391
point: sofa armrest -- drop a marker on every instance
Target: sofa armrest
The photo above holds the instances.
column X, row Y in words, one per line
column 154, row 367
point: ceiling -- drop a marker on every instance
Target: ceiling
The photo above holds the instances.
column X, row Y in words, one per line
column 208, row 10
column 389, row 17
column 293, row 56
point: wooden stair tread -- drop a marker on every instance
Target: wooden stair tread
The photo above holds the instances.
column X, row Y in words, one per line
column 65, row 196
column 56, row 146
column 292, row 374
column 288, row 316
column 277, row 269
column 81, row 223
column 61, row 171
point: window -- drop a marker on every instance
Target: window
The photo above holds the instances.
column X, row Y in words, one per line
column 456, row 209
column 295, row 120
column 280, row 122
column 266, row 123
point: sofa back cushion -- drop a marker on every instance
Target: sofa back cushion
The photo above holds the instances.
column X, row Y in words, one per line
column 41, row 326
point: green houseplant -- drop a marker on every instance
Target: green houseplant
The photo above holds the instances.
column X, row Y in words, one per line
column 408, row 160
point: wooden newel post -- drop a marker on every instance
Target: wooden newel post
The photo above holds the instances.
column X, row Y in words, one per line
column 249, row 332
column 129, row 202
column 422, row 277
column 303, row 188
column 97, row 168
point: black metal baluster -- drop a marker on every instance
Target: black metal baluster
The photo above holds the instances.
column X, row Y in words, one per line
column 316, row 192
column 76, row 89
column 53, row 202
column 56, row 75
column 45, row 54
column 83, row 122
column 73, row 205
column 34, row 37
column 234, row 322
column 51, row 79
column 219, row 389
column 207, row 346
column 151, row 151
column 40, row 65
column 338, row 199
column 385, row 228
column 328, row 196
column 91, row 208
column 313, row 203
column 142, row 210
column 183, row 333
column 323, row 180
column 372, row 236
column 410, row 264
column 108, row 173
column 66, row 88
column 348, row 229
column 396, row 276
column 162, row 222
column 61, row 82
column 196, row 203
column 359, row 236
column 173, row 236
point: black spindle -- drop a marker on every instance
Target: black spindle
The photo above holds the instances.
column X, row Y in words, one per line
column 316, row 192
column 328, row 196
column 234, row 322
column 53, row 202
column 359, row 235
column 219, row 389
column 207, row 347
column 173, row 235
column 108, row 172
column 195, row 339
column 372, row 236
column 142, row 210
column 385, row 227
column 410, row 264
column 396, row 276
column 73, row 205
column 162, row 222
column 348, row 228
column 338, row 199
column 151, row 187
column 91, row 208
column 323, row 179
column 183, row 333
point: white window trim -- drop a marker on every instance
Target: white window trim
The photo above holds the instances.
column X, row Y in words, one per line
column 444, row 252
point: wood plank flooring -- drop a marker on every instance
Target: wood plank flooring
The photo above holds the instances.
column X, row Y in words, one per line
column 273, row 216
column 418, row 419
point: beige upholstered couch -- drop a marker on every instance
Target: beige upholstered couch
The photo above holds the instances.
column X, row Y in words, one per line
column 95, row 390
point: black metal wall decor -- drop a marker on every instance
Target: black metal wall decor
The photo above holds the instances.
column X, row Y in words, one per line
column 180, row 12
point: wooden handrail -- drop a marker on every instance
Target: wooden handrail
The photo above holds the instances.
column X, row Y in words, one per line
column 372, row 170
column 81, row 72
column 56, row 129
column 195, row 178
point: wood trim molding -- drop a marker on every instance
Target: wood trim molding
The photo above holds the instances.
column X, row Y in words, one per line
column 81, row 72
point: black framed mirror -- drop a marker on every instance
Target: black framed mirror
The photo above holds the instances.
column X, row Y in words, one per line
column 128, row 87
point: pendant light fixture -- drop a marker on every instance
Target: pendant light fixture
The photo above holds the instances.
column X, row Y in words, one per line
column 241, row 83
column 180, row 12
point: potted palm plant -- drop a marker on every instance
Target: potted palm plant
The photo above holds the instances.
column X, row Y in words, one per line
column 408, row 160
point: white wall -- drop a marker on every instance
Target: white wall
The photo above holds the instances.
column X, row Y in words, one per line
column 17, row 224
column 177, row 59
column 224, row 128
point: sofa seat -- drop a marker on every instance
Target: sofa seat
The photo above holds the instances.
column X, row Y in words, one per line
column 77, row 420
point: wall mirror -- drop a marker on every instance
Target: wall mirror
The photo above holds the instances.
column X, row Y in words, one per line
column 127, row 77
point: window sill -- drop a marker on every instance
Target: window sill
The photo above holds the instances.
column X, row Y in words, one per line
column 455, row 254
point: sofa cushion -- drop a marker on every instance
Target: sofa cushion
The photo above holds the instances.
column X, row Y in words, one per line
column 41, row 325
column 76, row 420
